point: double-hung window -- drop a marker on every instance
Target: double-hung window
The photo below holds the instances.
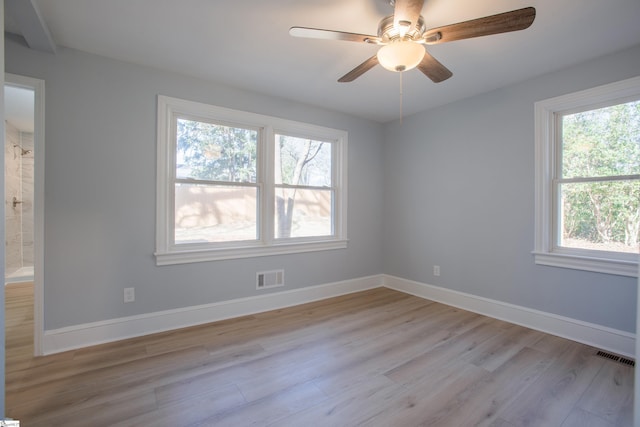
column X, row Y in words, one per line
column 232, row 184
column 588, row 179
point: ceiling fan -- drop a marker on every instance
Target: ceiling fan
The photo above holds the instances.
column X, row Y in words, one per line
column 403, row 34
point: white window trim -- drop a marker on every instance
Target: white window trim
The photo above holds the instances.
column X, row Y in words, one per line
column 168, row 253
column 545, row 252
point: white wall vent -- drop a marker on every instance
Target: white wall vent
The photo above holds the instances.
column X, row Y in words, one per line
column 269, row 279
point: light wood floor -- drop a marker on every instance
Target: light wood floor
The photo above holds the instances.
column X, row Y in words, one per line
column 375, row 358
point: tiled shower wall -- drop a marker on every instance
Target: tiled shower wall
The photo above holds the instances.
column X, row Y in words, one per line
column 18, row 184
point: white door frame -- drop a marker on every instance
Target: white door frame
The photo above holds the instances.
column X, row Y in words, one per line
column 37, row 86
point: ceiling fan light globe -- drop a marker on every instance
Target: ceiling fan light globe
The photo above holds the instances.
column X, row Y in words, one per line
column 401, row 55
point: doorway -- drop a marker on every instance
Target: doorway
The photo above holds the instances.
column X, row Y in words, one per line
column 24, row 190
column 18, row 190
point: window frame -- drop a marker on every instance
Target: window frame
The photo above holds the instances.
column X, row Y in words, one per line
column 167, row 252
column 547, row 158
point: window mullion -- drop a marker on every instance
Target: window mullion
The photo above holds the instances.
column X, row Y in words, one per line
column 599, row 179
column 556, row 217
column 171, row 165
column 302, row 187
column 221, row 183
column 267, row 189
column 337, row 222
column 556, row 194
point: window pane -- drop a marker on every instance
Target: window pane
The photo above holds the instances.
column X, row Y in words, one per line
column 302, row 161
column 303, row 213
column 213, row 152
column 210, row 213
column 601, row 215
column 602, row 142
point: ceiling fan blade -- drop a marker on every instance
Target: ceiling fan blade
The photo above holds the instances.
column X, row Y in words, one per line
column 433, row 69
column 494, row 24
column 316, row 33
column 359, row 70
column 406, row 14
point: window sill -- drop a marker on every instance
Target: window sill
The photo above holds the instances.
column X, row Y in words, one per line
column 203, row 255
column 587, row 263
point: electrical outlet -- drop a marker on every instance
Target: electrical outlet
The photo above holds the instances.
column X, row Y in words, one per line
column 129, row 294
column 436, row 270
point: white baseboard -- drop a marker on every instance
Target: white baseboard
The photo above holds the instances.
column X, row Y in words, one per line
column 613, row 340
column 78, row 336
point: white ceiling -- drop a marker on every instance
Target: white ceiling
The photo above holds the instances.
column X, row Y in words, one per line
column 245, row 43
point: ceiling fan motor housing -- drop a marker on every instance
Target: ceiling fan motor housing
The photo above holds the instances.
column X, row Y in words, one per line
column 388, row 32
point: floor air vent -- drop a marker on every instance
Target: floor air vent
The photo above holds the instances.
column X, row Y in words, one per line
column 615, row 358
column 269, row 279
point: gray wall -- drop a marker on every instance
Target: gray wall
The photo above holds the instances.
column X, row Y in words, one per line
column 100, row 192
column 457, row 186
column 459, row 193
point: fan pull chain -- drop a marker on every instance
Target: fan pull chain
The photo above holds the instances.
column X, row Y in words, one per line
column 400, row 96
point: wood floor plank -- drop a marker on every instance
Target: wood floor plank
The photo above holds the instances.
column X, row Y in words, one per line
column 446, row 354
column 270, row 409
column 189, row 410
column 426, row 404
column 610, row 395
column 376, row 358
column 581, row 418
column 227, row 332
column 501, row 423
column 346, row 409
column 504, row 385
column 200, row 384
column 97, row 387
column 554, row 395
column 500, row 348
column 369, row 321
column 551, row 344
column 107, row 413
